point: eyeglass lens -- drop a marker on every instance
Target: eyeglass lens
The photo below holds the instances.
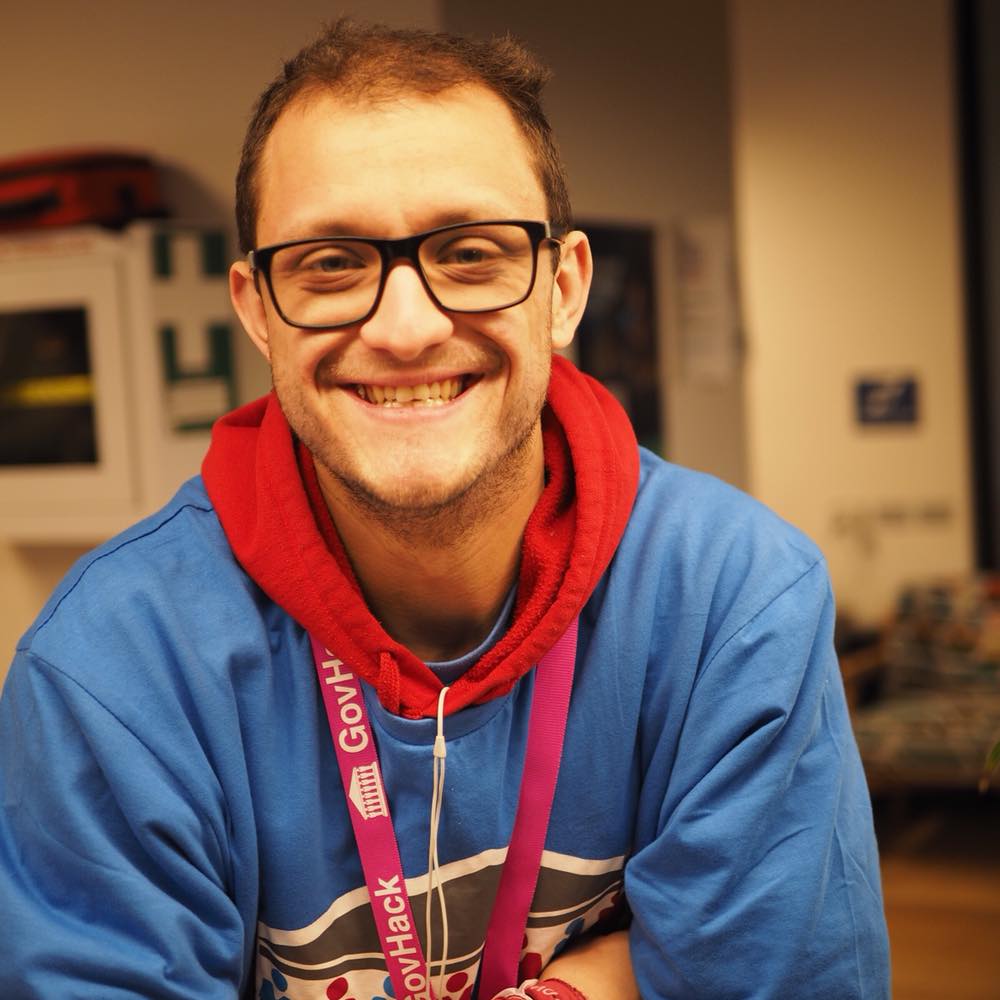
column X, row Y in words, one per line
column 468, row 269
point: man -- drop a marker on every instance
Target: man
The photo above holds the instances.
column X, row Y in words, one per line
column 618, row 661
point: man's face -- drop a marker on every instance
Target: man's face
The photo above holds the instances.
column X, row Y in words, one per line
column 391, row 170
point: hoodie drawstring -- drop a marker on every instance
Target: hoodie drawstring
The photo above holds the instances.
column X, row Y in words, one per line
column 433, row 865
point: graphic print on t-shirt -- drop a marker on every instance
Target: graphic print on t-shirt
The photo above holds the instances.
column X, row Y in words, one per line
column 338, row 956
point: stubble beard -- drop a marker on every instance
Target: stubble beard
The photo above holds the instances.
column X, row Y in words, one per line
column 440, row 518
column 418, row 516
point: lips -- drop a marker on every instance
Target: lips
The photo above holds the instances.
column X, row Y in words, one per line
column 424, row 394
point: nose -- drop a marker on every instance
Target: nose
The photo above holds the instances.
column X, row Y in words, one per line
column 407, row 321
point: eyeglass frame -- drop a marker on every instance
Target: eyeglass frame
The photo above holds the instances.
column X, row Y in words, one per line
column 404, row 248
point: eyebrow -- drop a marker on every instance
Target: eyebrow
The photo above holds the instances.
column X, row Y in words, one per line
column 447, row 217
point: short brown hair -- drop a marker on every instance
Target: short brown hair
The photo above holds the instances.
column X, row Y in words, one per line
column 374, row 62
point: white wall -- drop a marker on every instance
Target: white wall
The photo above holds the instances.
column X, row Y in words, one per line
column 176, row 80
column 847, row 210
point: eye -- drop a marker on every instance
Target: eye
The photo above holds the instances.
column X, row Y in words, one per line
column 468, row 251
column 331, row 261
column 325, row 260
column 468, row 255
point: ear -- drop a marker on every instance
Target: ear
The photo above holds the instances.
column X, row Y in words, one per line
column 571, row 287
column 249, row 306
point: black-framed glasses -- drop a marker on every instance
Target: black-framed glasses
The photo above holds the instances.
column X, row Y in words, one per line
column 471, row 267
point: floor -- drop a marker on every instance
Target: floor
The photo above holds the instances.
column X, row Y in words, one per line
column 941, row 880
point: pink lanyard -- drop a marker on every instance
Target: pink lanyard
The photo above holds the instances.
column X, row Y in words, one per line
column 376, row 838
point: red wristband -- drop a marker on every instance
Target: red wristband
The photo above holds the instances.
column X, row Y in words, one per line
column 553, row 989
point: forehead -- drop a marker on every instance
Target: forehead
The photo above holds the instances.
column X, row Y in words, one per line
column 394, row 167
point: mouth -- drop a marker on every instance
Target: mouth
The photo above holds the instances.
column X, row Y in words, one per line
column 425, row 394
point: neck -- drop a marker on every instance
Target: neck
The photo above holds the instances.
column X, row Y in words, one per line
column 437, row 581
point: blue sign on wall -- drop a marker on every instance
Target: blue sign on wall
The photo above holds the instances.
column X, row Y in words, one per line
column 886, row 400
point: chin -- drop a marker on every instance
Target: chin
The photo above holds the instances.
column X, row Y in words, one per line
column 408, row 495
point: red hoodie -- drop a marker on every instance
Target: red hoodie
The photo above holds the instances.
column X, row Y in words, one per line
column 267, row 497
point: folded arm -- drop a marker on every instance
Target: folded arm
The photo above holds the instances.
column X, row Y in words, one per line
column 755, row 873
column 113, row 871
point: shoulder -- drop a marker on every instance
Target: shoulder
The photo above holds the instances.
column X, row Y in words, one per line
column 709, row 513
column 695, row 519
column 154, row 585
column 710, row 557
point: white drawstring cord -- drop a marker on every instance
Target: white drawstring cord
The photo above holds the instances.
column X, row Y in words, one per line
column 433, row 865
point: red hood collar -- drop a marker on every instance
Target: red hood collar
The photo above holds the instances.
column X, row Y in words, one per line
column 274, row 518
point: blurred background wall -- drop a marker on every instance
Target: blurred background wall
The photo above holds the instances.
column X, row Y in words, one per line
column 848, row 210
column 820, row 137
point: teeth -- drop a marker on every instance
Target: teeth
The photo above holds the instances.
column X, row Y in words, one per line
column 429, row 394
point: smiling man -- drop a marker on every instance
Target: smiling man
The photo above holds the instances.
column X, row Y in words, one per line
column 418, row 397
column 433, row 684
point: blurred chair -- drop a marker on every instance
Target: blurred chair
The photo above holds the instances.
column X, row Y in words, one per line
column 925, row 699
